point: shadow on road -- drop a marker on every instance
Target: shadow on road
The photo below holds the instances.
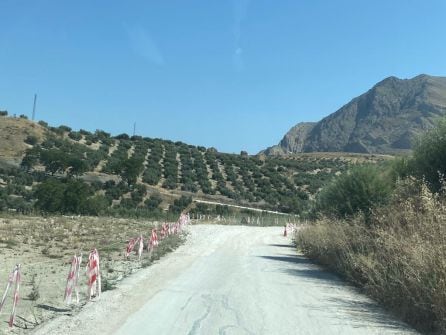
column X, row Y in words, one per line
column 301, row 266
column 317, row 274
column 366, row 311
column 281, row 245
column 290, row 259
column 343, row 302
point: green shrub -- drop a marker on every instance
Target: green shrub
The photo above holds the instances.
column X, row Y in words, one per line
column 122, row 137
column 358, row 190
column 31, row 139
column 429, row 156
column 84, row 132
column 153, row 202
column 49, row 195
column 75, row 135
column 65, row 128
column 68, row 196
column 180, row 204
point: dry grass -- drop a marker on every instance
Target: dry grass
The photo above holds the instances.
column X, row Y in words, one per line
column 44, row 247
column 400, row 259
column 13, row 132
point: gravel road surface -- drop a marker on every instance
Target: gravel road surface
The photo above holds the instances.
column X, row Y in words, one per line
column 231, row 280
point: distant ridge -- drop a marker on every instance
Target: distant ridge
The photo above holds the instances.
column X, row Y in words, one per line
column 385, row 119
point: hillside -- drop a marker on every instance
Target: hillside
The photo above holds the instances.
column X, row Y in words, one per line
column 13, row 135
column 385, row 119
column 133, row 173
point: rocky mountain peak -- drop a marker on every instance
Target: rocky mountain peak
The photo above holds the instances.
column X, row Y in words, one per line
column 385, row 119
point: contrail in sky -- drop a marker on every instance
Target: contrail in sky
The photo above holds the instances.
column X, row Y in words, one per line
column 240, row 12
column 144, row 45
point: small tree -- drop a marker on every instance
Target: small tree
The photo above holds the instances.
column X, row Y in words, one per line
column 31, row 140
column 429, row 156
column 180, row 204
column 65, row 128
column 49, row 195
column 31, row 158
column 131, row 168
column 75, row 198
column 75, row 135
column 122, row 137
column 153, row 202
column 97, row 205
column 76, row 166
column 222, row 210
column 54, row 160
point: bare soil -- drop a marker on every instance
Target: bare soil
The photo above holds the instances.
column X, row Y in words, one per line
column 44, row 248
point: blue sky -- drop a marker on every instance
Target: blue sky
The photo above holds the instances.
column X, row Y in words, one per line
column 235, row 75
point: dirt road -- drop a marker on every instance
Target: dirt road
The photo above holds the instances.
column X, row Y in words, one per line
column 230, row 280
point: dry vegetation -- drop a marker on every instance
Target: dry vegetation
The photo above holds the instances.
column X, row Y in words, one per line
column 398, row 257
column 44, row 247
column 13, row 132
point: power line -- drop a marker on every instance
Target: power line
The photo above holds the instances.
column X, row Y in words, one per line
column 34, row 107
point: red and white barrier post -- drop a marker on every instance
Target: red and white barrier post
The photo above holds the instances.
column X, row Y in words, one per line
column 153, row 242
column 93, row 274
column 164, row 230
column 14, row 278
column 130, row 247
column 140, row 247
column 73, row 279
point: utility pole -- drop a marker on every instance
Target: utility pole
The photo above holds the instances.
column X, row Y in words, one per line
column 34, row 107
column 134, row 129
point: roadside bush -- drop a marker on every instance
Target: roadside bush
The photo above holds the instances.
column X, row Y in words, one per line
column 201, row 209
column 180, row 204
column 429, row 156
column 222, row 210
column 19, row 204
column 153, row 202
column 399, row 259
column 358, row 190
column 69, row 196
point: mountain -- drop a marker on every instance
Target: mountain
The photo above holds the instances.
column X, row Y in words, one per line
column 293, row 141
column 385, row 119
